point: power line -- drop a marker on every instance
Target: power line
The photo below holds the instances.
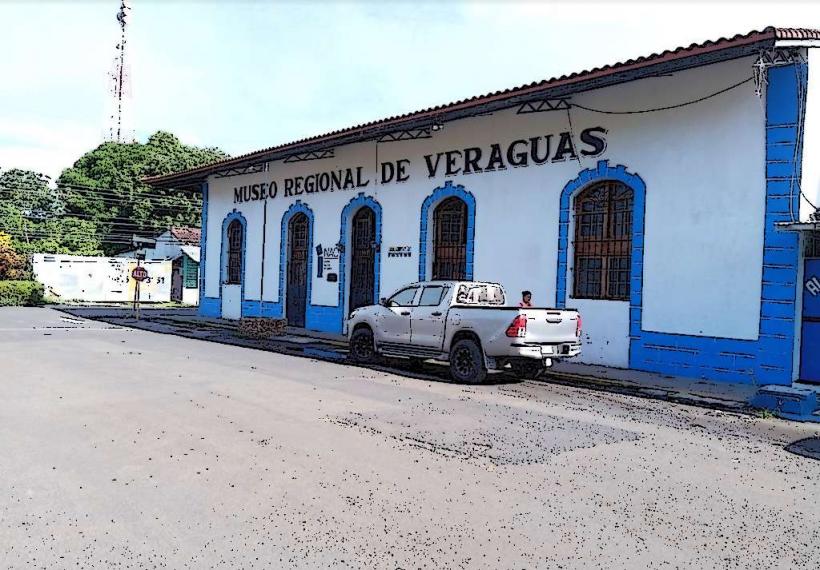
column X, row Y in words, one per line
column 83, row 190
column 72, row 185
column 64, row 210
column 157, row 203
column 677, row 106
column 119, row 223
column 116, row 231
column 122, row 239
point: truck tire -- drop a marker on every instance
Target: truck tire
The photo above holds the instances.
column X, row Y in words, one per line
column 467, row 362
column 362, row 349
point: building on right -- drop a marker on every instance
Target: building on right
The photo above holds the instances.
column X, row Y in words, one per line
column 668, row 198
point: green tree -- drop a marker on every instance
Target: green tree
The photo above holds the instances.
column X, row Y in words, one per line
column 104, row 187
column 26, row 198
column 12, row 264
column 32, row 213
column 67, row 234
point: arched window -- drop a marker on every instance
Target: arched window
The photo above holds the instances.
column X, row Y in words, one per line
column 234, row 253
column 450, row 240
column 603, row 241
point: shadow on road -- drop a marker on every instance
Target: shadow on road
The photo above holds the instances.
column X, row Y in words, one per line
column 808, row 447
column 225, row 332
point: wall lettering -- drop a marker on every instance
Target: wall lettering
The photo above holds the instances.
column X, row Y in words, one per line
column 813, row 286
column 519, row 153
column 399, row 251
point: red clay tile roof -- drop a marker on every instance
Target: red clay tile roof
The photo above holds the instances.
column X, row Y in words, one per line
column 188, row 236
column 365, row 131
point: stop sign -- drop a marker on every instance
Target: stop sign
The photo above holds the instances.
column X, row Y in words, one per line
column 139, row 273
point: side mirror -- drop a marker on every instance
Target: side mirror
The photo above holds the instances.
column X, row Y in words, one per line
column 383, row 302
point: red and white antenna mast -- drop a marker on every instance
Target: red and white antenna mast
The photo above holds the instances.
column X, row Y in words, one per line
column 119, row 77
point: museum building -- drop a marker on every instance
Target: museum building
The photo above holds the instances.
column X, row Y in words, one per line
column 671, row 199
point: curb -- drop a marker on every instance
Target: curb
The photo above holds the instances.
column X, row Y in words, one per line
column 649, row 392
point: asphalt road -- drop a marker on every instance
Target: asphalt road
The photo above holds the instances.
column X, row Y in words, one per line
column 122, row 448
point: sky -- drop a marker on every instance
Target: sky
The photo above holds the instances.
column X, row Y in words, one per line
column 248, row 75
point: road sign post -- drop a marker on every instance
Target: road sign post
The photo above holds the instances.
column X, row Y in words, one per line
column 139, row 274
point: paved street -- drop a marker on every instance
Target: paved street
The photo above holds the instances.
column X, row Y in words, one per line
column 132, row 449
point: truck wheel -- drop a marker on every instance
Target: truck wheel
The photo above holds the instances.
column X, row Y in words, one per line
column 467, row 362
column 361, row 346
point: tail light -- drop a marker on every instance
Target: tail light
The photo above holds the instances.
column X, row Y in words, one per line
column 578, row 326
column 518, row 327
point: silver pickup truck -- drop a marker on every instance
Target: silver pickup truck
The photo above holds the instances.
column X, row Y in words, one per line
column 467, row 324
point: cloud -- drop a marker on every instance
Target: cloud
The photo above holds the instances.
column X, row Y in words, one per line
column 43, row 145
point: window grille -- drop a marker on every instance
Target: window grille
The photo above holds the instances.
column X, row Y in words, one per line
column 234, row 253
column 812, row 248
column 603, row 242
column 450, row 235
column 190, row 273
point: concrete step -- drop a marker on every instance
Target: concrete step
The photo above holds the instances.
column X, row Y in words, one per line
column 788, row 402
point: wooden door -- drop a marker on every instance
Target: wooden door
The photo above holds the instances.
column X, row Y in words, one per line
column 450, row 240
column 297, row 270
column 363, row 259
column 176, row 279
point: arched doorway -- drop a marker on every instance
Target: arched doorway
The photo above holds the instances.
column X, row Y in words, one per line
column 297, row 275
column 450, row 240
column 362, row 259
column 232, row 272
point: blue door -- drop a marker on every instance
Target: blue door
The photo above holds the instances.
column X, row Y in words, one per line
column 810, row 343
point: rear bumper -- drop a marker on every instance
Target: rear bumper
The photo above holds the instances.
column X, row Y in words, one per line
column 543, row 350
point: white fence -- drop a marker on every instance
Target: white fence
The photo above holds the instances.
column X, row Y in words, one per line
column 100, row 279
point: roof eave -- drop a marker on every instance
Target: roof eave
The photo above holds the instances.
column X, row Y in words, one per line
column 605, row 77
column 805, row 43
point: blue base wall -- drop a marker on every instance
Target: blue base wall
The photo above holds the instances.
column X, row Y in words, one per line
column 317, row 317
column 210, row 306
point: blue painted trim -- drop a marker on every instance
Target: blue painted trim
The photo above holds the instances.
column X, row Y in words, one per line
column 770, row 358
column 210, row 306
column 603, row 171
column 327, row 318
column 357, row 203
column 203, row 253
column 223, row 257
column 439, row 194
column 253, row 308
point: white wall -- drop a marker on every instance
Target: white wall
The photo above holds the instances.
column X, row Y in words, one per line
column 704, row 169
column 810, row 184
column 167, row 247
column 100, row 279
column 703, row 166
column 190, row 295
